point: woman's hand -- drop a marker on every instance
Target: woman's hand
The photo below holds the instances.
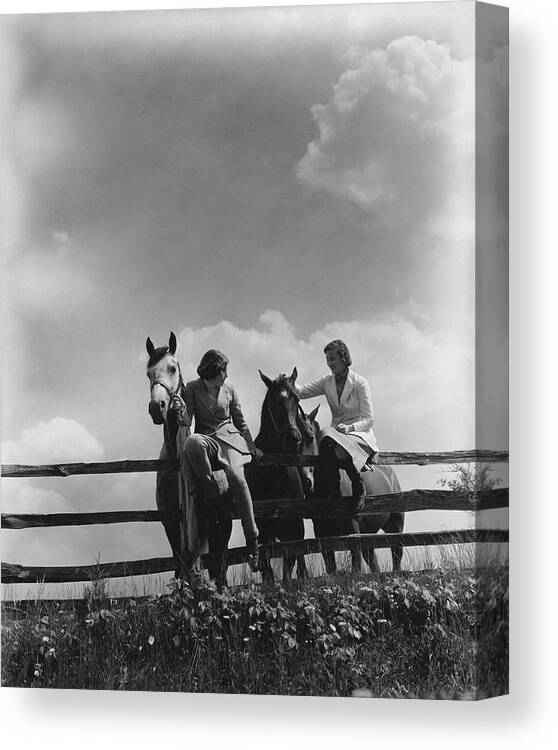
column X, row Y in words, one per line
column 344, row 428
column 178, row 405
column 257, row 455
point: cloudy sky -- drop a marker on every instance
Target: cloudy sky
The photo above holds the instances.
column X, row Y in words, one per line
column 256, row 180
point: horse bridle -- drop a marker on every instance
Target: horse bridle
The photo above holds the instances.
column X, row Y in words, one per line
column 299, row 410
column 173, row 395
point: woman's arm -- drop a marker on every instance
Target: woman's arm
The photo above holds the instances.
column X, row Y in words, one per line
column 238, row 419
column 314, row 388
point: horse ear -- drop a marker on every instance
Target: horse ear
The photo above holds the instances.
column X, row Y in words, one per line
column 313, row 413
column 294, row 376
column 265, row 379
column 149, row 346
column 172, row 343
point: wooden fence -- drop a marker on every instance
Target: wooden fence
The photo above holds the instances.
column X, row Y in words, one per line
column 412, row 500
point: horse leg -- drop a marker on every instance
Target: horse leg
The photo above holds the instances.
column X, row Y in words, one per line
column 396, row 557
column 266, row 537
column 301, row 569
column 167, row 499
column 265, row 565
column 356, row 552
column 222, row 534
column 289, row 561
column 329, row 561
column 218, row 534
column 394, row 525
column 292, row 530
column 370, row 557
column 324, row 527
column 288, row 565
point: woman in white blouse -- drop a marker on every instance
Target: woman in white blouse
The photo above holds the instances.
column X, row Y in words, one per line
column 349, row 443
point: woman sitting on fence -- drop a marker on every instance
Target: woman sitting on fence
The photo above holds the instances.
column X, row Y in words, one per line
column 349, row 443
column 222, row 439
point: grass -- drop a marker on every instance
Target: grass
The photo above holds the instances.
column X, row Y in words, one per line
column 433, row 633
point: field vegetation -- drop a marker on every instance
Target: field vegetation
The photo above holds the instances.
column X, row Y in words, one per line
column 439, row 633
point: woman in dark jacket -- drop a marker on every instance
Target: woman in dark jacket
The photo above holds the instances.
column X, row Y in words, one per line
column 221, row 439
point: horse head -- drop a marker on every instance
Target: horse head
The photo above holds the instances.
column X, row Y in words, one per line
column 280, row 430
column 165, row 378
column 310, row 430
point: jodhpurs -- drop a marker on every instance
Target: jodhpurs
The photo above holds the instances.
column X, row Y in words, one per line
column 203, row 454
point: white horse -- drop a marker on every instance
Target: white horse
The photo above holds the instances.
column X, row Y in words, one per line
column 214, row 520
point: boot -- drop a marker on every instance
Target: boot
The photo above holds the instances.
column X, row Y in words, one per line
column 357, row 485
column 330, row 470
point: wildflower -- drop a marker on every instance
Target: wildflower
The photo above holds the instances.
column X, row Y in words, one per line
column 45, row 639
column 176, row 641
column 151, row 640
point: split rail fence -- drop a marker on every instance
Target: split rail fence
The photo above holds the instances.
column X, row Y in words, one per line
column 412, row 500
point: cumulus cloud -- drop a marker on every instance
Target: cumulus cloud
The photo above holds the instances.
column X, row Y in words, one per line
column 23, row 496
column 422, row 380
column 56, row 441
column 398, row 129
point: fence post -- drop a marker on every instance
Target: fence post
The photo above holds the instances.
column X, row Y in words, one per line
column 189, row 540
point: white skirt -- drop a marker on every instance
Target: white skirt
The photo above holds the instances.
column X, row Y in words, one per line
column 355, row 445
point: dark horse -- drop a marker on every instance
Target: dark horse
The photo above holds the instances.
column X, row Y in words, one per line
column 214, row 519
column 282, row 430
column 378, row 481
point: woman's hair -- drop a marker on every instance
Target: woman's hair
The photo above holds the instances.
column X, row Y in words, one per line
column 342, row 350
column 212, row 363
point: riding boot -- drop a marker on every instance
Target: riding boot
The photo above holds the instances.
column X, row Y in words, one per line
column 357, row 485
column 330, row 469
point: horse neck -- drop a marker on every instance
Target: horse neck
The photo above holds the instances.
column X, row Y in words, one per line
column 170, row 431
column 267, row 439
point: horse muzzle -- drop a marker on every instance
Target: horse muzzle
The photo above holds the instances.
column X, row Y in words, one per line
column 157, row 411
column 292, row 441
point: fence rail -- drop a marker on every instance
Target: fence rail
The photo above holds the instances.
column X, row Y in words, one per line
column 411, row 500
column 272, row 459
column 73, row 574
column 397, row 502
